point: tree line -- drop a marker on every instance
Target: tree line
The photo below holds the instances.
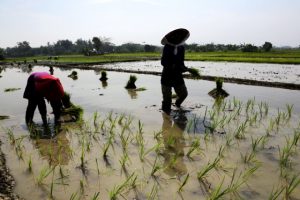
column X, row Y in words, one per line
column 100, row 45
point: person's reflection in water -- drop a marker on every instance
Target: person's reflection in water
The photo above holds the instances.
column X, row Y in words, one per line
column 104, row 84
column 51, row 70
column 172, row 130
column 132, row 93
column 52, row 147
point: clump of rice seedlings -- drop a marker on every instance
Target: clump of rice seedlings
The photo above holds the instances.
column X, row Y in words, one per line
column 194, row 72
column 44, row 173
column 11, row 89
column 131, row 82
column 74, row 196
column 203, row 172
column 118, row 189
column 103, row 76
column 70, row 109
column 106, row 146
column 121, row 118
column 240, row 131
column 183, row 183
column 81, row 184
column 11, row 136
column 218, row 92
column 73, row 75
column 256, row 142
column 195, row 145
column 82, row 156
column 296, row 137
column 291, row 186
column 229, row 140
column 285, row 154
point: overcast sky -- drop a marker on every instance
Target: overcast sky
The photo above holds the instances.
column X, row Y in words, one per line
column 147, row 21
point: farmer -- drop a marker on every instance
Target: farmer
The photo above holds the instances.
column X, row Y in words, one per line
column 42, row 85
column 173, row 66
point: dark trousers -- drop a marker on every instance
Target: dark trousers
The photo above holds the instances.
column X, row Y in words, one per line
column 180, row 91
column 40, row 103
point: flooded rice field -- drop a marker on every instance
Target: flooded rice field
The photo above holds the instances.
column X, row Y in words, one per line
column 245, row 146
column 253, row 71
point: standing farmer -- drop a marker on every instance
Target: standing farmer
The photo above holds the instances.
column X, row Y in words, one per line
column 173, row 66
column 42, row 85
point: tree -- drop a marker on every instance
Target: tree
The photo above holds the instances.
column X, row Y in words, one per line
column 97, row 44
column 149, row 48
column 249, row 48
column 267, row 46
column 1, row 54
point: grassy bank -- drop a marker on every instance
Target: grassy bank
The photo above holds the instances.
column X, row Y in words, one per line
column 282, row 57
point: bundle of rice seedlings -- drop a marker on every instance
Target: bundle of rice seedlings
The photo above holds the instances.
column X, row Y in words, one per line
column 131, row 82
column 75, row 112
column 218, row 92
column 103, row 76
column 73, row 75
column 194, row 72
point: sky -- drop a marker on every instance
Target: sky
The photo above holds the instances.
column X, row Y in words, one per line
column 147, row 21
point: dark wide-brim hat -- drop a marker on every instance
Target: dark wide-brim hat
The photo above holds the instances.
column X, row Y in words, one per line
column 176, row 37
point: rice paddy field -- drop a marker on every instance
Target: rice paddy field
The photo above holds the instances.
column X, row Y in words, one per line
column 245, row 146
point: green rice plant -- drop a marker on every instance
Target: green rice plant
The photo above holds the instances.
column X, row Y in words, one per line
column 98, row 170
column 195, row 145
column 153, row 193
column 194, row 72
column 11, row 136
column 289, row 110
column 217, row 193
column 221, row 152
column 183, row 183
column 270, row 127
column 275, row 193
column 81, row 184
column 266, row 107
column 121, row 118
column 96, row 196
column 82, row 156
column 118, row 189
column 296, row 137
column 155, row 167
column 74, row 196
column 291, row 186
column 229, row 140
column 106, row 146
column 204, row 171
column 285, row 154
column 249, row 157
column 124, row 160
column 95, row 118
column 52, row 184
column 44, row 173
column 30, row 164
column 240, row 131
column 256, row 142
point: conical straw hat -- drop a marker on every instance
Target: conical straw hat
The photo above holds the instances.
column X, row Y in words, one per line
column 176, row 37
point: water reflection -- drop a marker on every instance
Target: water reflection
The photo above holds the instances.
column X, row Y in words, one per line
column 56, row 150
column 132, row 93
column 172, row 130
column 51, row 70
column 104, row 84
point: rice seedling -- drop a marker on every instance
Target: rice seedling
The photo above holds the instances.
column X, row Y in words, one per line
column 221, row 152
column 153, row 193
column 249, row 157
column 124, row 160
column 81, row 184
column 30, row 164
column 74, row 196
column 155, row 167
column 275, row 193
column 183, row 183
column 11, row 89
column 240, row 131
column 296, row 137
column 256, row 142
column 121, row 118
column 73, row 75
column 291, row 186
column 203, row 172
column 97, row 165
column 52, row 184
column 96, row 196
column 44, row 173
column 289, row 110
column 229, row 140
column 131, row 82
column 118, row 189
column 106, row 146
column 11, row 136
column 194, row 146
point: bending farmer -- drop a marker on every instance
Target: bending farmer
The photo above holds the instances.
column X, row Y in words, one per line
column 173, row 66
column 42, row 85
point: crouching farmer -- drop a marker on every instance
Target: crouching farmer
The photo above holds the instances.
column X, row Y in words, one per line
column 41, row 86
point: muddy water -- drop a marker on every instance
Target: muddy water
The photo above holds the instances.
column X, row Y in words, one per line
column 95, row 96
column 253, row 71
